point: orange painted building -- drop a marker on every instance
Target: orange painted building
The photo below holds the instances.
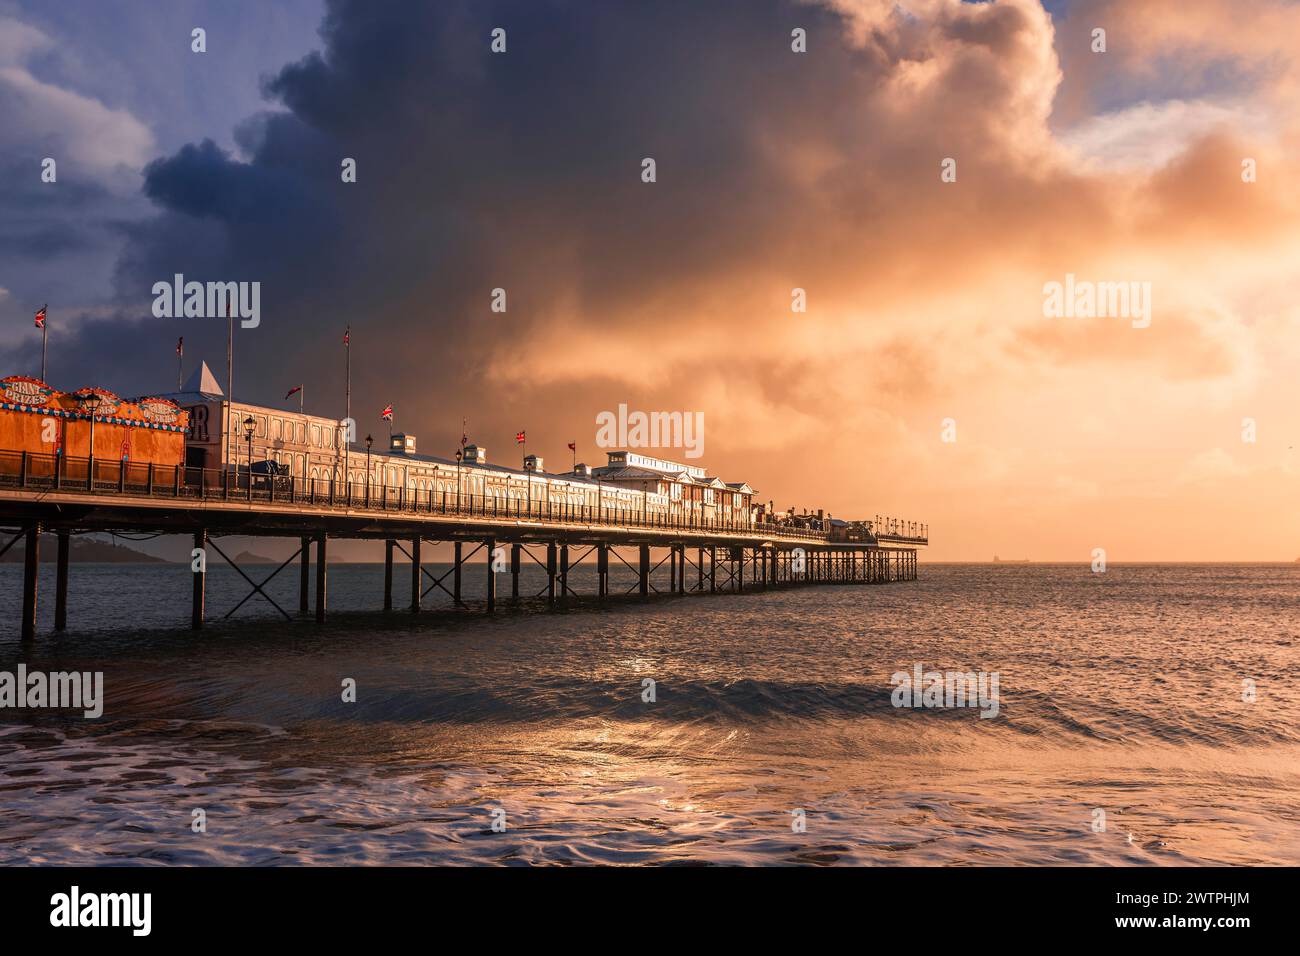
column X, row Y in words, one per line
column 38, row 419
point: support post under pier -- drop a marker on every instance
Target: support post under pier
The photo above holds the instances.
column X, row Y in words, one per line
column 321, row 580
column 304, row 578
column 200, row 578
column 389, row 544
column 550, row 573
column 455, row 575
column 514, row 572
column 417, row 569
column 564, row 573
column 61, row 583
column 31, row 564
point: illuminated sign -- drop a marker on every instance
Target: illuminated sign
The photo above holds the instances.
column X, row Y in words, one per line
column 25, row 391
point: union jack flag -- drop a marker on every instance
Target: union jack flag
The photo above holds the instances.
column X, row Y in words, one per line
column 519, row 438
column 387, row 413
column 40, row 317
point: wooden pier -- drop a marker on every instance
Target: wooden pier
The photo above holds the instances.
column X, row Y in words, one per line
column 701, row 557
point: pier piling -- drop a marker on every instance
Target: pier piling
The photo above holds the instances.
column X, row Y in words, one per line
column 61, row 583
column 389, row 544
column 321, row 579
column 550, row 572
column 491, row 547
column 31, row 564
column 417, row 570
column 564, row 572
column 200, row 579
column 304, row 577
column 455, row 577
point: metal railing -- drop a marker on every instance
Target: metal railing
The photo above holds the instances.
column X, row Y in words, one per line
column 121, row 478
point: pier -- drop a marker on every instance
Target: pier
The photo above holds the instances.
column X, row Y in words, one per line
column 65, row 496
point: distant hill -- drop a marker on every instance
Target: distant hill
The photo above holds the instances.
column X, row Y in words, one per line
column 83, row 550
column 248, row 557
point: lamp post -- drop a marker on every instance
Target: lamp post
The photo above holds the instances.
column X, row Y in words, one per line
column 249, row 425
column 369, row 441
column 528, row 476
column 92, row 400
column 460, row 452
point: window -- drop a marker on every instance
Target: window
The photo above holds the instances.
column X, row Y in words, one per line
column 315, row 435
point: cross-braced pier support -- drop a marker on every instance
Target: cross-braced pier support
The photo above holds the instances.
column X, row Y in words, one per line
column 762, row 567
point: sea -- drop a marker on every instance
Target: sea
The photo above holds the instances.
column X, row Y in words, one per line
column 1146, row 716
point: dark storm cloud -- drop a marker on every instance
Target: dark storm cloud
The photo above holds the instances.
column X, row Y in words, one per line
column 522, row 171
column 475, row 171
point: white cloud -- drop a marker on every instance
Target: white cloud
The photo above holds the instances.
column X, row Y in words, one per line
column 81, row 130
column 1148, row 135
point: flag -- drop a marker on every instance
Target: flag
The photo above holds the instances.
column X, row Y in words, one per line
column 347, row 335
column 293, row 391
column 40, row 317
column 464, row 435
column 387, row 413
column 573, row 446
column 180, row 345
column 519, row 438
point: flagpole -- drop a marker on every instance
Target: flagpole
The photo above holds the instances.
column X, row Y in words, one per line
column 45, row 337
column 230, row 384
column 302, row 394
column 180, row 358
column 347, row 421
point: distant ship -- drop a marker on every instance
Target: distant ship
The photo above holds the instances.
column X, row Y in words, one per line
column 997, row 560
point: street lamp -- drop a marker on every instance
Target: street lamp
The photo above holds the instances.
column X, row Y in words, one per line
column 92, row 400
column 249, row 425
column 460, row 453
column 369, row 441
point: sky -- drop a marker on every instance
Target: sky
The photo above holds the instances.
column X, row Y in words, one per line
column 925, row 378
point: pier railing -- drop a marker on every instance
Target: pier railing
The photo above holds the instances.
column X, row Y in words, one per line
column 119, row 478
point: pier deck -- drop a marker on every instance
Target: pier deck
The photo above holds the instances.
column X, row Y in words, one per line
column 43, row 494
